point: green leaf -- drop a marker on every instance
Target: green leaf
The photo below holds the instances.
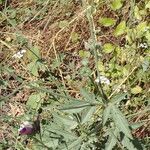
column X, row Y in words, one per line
column 34, row 101
column 127, row 143
column 107, row 22
column 88, row 96
column 141, row 28
column 101, row 66
column 108, row 48
column 33, row 68
column 13, row 22
column 137, row 125
column 63, row 24
column 111, row 142
column 120, row 29
column 75, row 106
column 120, row 121
column 67, row 121
column 137, row 13
column 116, row 4
column 75, row 145
column 74, row 37
column 136, row 90
column 34, row 53
column 48, row 141
column 84, row 54
column 84, row 61
column 119, row 97
column 87, row 114
column 147, row 5
column 106, row 113
column 67, row 134
column 146, row 65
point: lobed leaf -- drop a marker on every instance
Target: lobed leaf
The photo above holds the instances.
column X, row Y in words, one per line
column 106, row 113
column 112, row 141
column 121, row 121
column 87, row 114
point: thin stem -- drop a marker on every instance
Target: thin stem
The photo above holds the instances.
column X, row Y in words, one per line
column 94, row 40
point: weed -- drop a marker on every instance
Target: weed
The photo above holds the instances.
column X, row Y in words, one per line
column 74, row 74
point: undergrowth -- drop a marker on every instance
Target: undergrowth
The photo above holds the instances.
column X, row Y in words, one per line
column 77, row 71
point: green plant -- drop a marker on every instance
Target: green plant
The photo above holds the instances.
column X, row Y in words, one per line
column 88, row 99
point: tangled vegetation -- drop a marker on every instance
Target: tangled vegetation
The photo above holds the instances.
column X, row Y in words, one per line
column 74, row 74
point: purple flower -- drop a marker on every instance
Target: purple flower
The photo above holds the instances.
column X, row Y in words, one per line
column 26, row 128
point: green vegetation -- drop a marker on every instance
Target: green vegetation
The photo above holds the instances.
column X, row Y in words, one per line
column 77, row 68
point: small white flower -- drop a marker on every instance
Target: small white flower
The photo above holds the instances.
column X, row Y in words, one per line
column 102, row 79
column 24, row 124
column 19, row 54
column 143, row 45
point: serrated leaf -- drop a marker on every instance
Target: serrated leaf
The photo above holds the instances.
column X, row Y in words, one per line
column 136, row 90
column 107, row 22
column 87, row 114
column 106, row 113
column 120, row 121
column 108, row 48
column 120, row 29
column 116, row 4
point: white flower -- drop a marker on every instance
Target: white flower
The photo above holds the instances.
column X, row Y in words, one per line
column 19, row 54
column 143, row 45
column 24, row 124
column 102, row 79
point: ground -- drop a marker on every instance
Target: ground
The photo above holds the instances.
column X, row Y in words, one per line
column 48, row 57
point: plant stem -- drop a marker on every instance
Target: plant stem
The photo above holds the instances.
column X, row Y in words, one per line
column 94, row 40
